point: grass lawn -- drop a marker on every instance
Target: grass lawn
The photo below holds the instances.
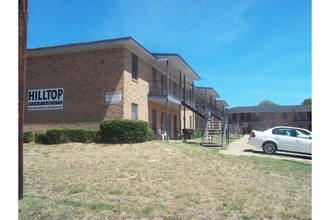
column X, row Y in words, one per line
column 160, row 180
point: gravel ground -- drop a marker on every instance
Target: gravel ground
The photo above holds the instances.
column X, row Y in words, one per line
column 242, row 147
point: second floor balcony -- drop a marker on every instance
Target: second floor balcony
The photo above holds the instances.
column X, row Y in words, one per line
column 159, row 88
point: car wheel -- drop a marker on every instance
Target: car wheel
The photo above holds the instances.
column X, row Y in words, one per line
column 269, row 147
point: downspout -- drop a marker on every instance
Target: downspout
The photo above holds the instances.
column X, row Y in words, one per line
column 180, row 87
column 184, row 100
column 167, row 94
column 194, row 105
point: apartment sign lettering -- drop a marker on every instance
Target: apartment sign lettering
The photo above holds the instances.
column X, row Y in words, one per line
column 45, row 99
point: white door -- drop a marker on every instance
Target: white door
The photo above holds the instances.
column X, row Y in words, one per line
column 286, row 142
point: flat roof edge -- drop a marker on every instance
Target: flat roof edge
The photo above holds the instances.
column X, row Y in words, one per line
column 177, row 55
column 86, row 46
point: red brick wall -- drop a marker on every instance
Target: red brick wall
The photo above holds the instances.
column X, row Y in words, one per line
column 136, row 91
column 85, row 77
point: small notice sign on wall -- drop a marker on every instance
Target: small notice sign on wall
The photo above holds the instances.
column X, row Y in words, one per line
column 45, row 99
column 113, row 98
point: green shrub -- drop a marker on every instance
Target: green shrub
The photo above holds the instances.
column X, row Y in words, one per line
column 27, row 136
column 65, row 135
column 150, row 135
column 82, row 135
column 41, row 138
column 198, row 133
column 123, row 131
column 58, row 135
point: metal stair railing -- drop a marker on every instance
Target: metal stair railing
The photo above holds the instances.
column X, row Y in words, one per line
column 212, row 133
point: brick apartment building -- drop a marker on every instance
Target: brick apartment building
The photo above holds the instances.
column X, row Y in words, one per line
column 261, row 117
column 79, row 85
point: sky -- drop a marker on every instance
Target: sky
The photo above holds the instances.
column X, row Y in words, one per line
column 246, row 50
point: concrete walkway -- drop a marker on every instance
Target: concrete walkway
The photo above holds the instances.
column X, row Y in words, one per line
column 241, row 147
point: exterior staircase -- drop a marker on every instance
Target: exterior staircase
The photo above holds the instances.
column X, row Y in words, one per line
column 212, row 133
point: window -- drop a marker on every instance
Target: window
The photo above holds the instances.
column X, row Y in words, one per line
column 285, row 115
column 303, row 134
column 272, row 115
column 248, row 117
column 242, row 117
column 135, row 71
column 234, row 117
column 257, row 115
column 301, row 116
column 134, row 111
column 283, row 131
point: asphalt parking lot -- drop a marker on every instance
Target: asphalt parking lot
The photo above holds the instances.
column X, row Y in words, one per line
column 242, row 147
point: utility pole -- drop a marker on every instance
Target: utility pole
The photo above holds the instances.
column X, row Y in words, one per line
column 22, row 23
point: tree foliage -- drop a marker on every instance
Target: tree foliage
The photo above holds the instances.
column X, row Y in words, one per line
column 266, row 103
column 307, row 101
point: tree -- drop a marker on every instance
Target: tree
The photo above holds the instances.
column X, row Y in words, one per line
column 266, row 103
column 307, row 101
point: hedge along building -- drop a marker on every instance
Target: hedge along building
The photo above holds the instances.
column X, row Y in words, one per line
column 79, row 85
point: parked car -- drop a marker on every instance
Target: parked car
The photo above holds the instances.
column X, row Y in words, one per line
column 282, row 138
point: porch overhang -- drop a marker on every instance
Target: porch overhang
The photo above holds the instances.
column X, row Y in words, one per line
column 161, row 99
column 176, row 65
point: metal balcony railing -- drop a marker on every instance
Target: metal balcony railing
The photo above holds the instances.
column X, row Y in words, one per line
column 158, row 88
column 302, row 118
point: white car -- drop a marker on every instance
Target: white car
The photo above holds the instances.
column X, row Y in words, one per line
column 282, row 138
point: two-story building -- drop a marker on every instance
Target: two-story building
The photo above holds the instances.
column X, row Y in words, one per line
column 79, row 85
column 261, row 117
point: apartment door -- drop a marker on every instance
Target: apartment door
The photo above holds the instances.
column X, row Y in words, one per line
column 175, row 124
column 154, row 120
column 169, row 126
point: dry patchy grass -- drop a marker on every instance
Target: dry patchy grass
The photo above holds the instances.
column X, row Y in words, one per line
column 159, row 180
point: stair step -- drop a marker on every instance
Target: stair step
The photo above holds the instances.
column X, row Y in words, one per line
column 212, row 145
column 212, row 133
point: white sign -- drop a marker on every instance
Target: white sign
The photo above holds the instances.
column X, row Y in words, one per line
column 45, row 99
column 113, row 98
